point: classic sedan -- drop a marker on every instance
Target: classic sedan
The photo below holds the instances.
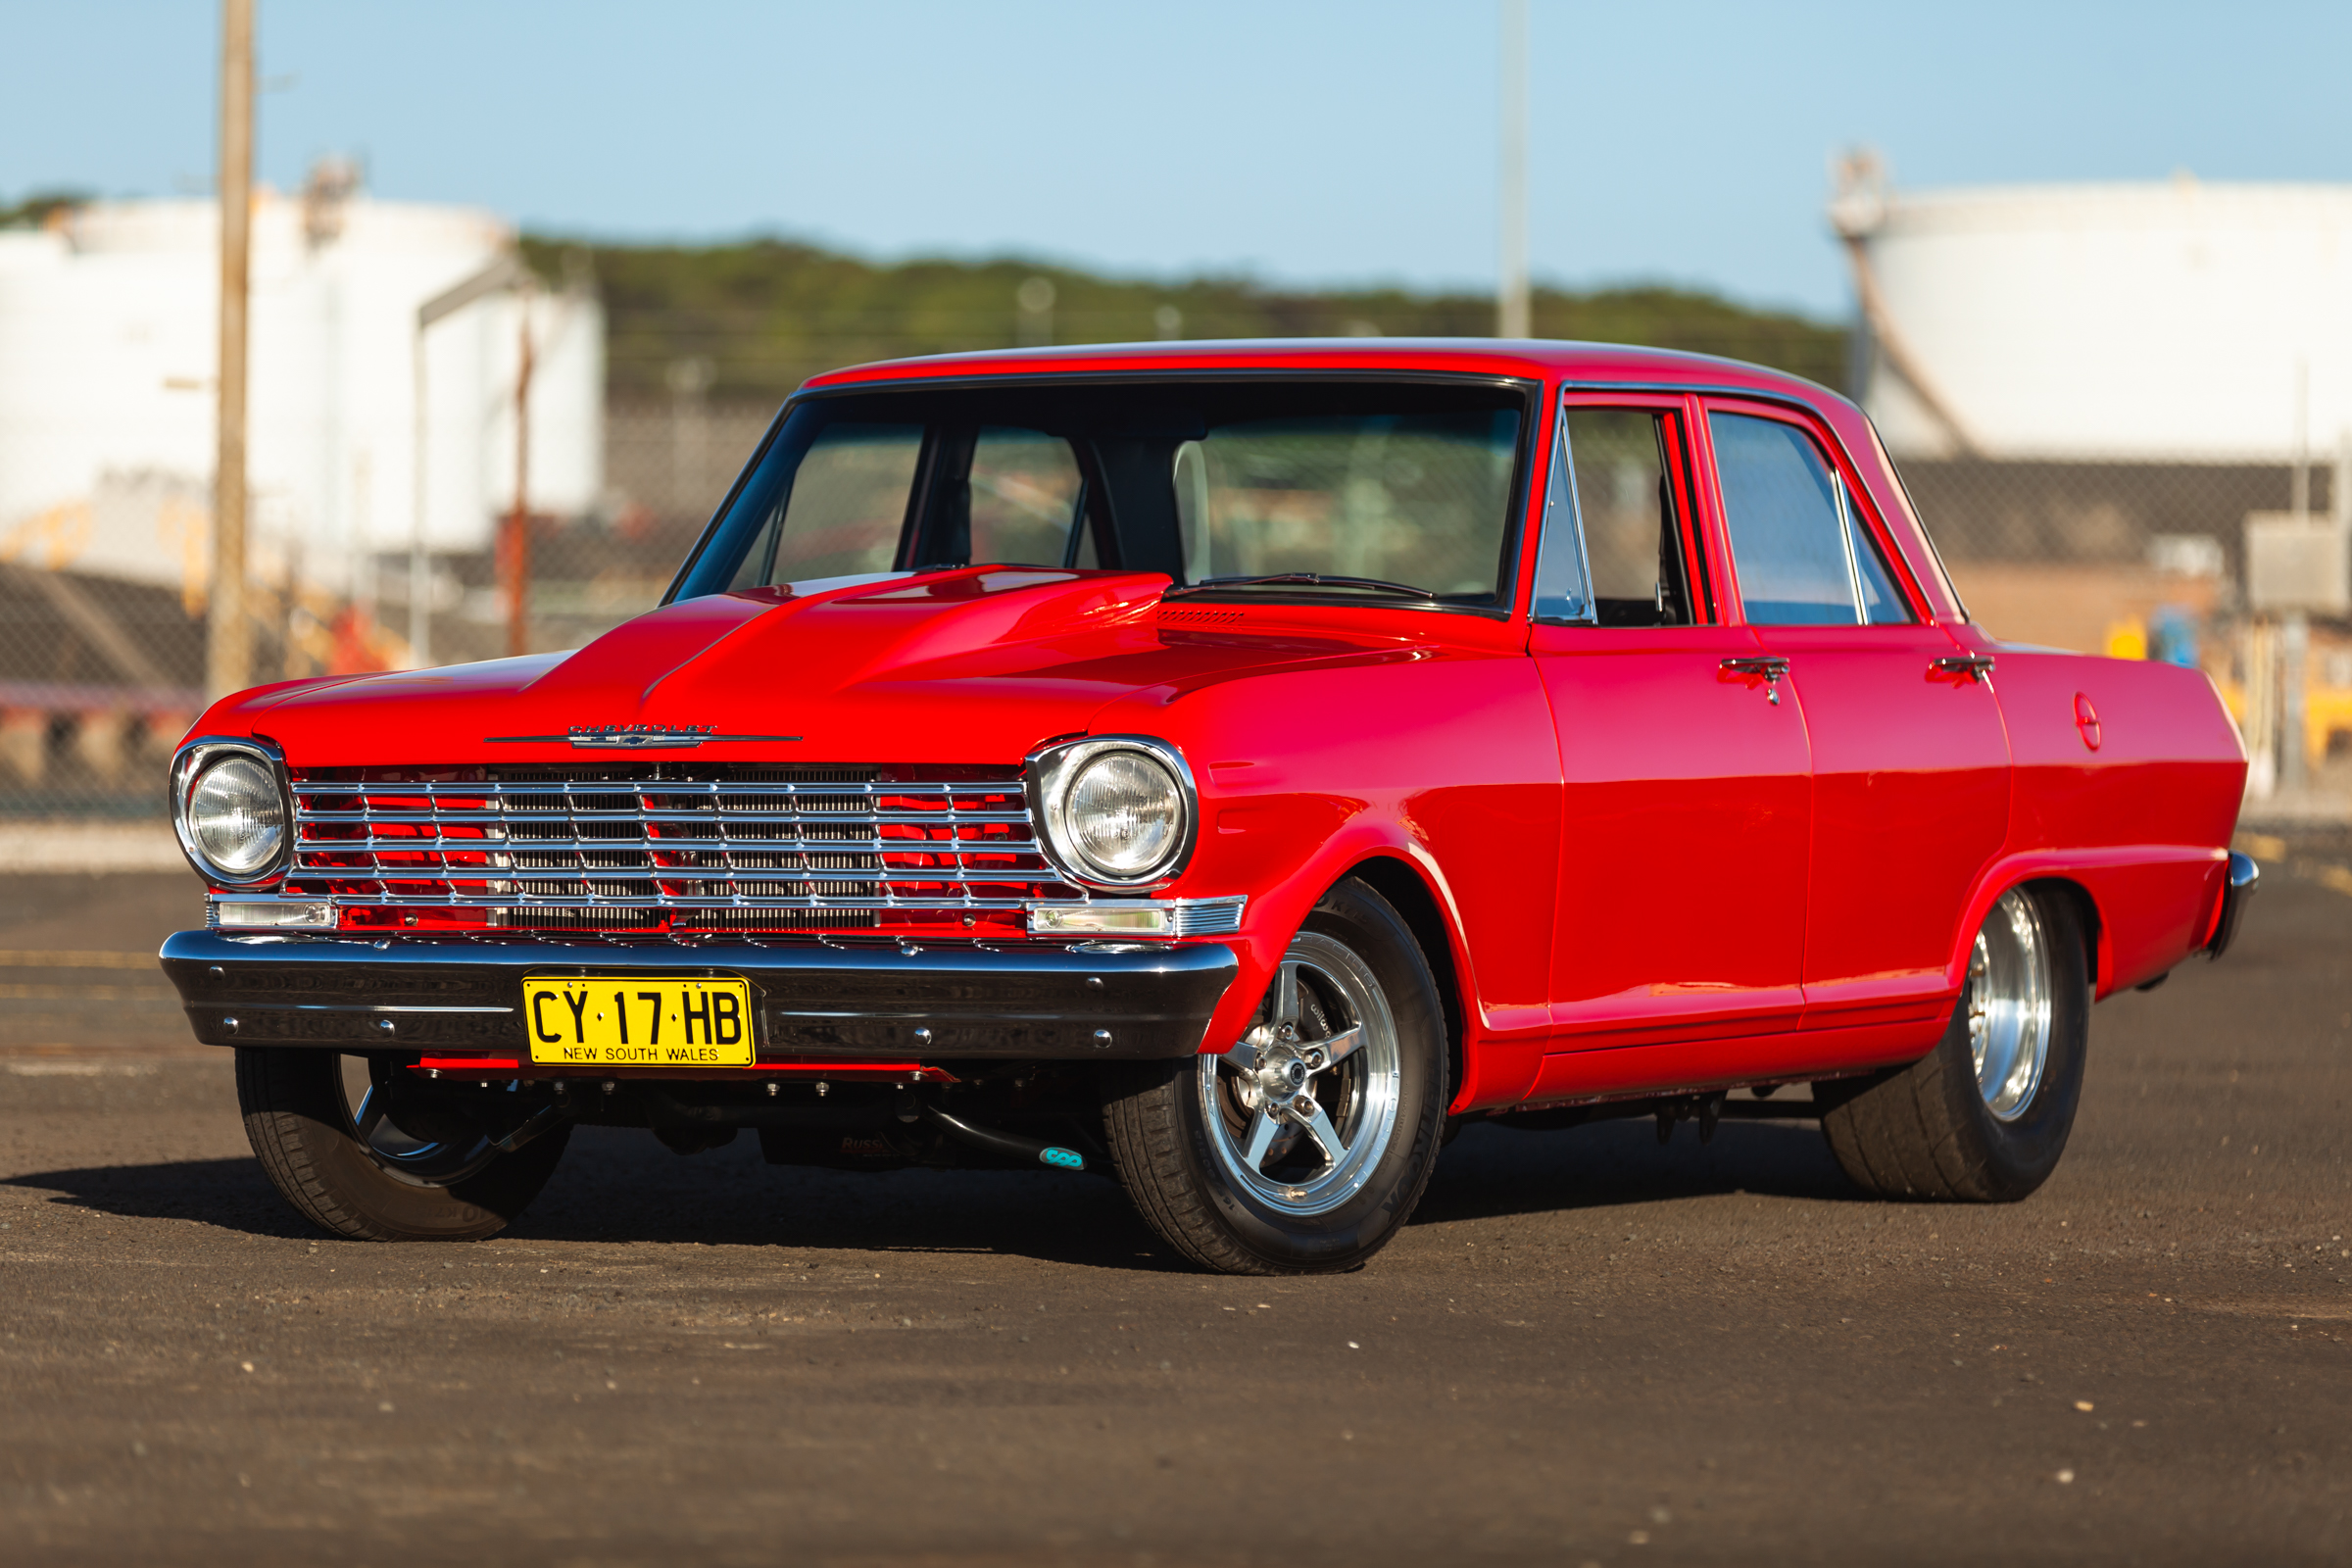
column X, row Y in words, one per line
column 1232, row 767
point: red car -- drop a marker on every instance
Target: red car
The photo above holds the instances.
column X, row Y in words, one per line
column 1232, row 766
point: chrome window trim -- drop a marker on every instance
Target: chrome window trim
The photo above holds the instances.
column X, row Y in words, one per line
column 1049, row 771
column 1845, row 542
column 1562, row 502
column 1530, row 385
column 188, row 765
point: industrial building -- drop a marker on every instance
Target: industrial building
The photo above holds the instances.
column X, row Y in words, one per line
column 2123, row 410
column 108, row 344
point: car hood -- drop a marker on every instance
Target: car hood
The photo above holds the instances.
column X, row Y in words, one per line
column 967, row 667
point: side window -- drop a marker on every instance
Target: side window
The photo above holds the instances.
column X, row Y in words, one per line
column 1025, row 497
column 1803, row 554
column 1612, row 551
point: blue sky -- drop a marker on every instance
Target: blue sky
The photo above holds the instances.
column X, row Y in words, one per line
column 1305, row 143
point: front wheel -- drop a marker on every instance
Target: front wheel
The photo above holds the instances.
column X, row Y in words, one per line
column 403, row 1164
column 1985, row 1116
column 1303, row 1147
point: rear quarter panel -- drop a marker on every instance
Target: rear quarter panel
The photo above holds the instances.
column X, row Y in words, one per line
column 2141, row 822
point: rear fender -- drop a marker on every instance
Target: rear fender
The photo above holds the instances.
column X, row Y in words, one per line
column 2146, row 907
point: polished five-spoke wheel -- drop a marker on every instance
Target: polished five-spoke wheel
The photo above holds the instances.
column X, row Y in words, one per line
column 1302, row 1146
column 1302, row 1109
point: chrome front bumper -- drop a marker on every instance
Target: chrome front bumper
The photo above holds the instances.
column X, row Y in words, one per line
column 828, row 999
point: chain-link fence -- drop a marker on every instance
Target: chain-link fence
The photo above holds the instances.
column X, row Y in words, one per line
column 99, row 677
column 2148, row 561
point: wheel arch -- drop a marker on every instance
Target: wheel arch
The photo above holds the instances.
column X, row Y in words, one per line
column 1401, row 883
column 2031, row 872
column 2097, row 961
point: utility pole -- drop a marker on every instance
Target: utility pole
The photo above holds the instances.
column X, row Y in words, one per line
column 519, row 521
column 227, row 640
column 1514, row 317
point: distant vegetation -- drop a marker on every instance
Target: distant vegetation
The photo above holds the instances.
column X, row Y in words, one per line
column 36, row 209
column 752, row 320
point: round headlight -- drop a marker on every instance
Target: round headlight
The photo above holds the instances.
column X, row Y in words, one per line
column 236, row 815
column 1125, row 813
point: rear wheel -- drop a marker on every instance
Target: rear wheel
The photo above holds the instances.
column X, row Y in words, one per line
column 1985, row 1115
column 399, row 1162
column 1303, row 1147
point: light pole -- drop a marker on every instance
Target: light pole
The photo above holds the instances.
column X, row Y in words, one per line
column 227, row 640
column 1514, row 317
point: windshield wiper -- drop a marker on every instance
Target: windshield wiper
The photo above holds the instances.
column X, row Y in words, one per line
column 1309, row 580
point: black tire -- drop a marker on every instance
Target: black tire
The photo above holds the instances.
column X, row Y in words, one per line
column 301, row 1129
column 1155, row 1117
column 1927, row 1131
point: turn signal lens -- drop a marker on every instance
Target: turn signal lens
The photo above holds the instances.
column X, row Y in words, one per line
column 1125, row 812
column 238, row 816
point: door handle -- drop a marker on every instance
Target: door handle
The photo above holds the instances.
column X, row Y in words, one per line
column 1968, row 667
column 1768, row 670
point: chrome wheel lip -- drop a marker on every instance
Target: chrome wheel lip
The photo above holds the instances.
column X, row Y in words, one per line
column 1360, row 1074
column 2010, row 998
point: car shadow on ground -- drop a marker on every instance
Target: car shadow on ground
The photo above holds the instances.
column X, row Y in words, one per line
column 618, row 1186
column 1491, row 1171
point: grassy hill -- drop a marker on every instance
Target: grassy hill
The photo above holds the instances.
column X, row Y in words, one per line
column 755, row 319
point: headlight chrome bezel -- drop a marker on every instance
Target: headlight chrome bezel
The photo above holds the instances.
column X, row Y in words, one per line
column 1050, row 773
column 189, row 764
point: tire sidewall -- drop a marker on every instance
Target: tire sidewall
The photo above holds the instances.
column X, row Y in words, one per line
column 294, row 1097
column 1345, row 1236
column 481, row 1204
column 2019, row 1154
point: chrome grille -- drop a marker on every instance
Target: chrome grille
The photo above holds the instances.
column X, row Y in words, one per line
column 830, row 850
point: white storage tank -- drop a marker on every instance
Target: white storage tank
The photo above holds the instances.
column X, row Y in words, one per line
column 108, row 343
column 2169, row 322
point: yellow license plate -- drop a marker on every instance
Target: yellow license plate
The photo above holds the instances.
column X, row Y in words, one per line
column 616, row 1021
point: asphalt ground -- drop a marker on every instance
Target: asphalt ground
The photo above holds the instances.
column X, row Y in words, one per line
column 1586, row 1348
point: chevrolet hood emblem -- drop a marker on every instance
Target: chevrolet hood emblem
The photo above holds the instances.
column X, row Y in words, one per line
column 631, row 737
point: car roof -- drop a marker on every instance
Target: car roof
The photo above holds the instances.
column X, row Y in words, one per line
column 1594, row 364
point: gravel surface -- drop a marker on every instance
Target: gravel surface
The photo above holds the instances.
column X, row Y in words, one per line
column 1584, row 1349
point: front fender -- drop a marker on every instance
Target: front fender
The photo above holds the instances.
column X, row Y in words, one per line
column 1446, row 765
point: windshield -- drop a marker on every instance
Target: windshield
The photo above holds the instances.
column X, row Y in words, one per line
column 1405, row 487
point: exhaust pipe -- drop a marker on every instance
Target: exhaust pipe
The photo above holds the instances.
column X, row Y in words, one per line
column 1005, row 1146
